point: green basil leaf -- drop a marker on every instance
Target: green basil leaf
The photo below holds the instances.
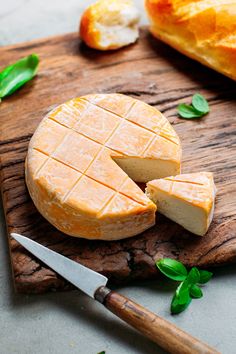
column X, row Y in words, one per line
column 188, row 112
column 172, row 269
column 17, row 74
column 205, row 276
column 200, row 103
column 177, row 305
column 103, row 352
column 182, row 292
column 193, row 276
column 195, row 291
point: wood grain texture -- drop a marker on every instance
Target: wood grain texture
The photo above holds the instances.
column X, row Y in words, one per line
column 160, row 331
column 158, row 75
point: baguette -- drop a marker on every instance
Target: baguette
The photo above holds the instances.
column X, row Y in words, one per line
column 204, row 30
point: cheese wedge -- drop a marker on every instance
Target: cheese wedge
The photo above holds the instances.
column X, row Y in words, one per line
column 187, row 199
column 84, row 156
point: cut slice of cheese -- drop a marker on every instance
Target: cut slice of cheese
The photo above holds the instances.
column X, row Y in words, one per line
column 83, row 160
column 187, row 199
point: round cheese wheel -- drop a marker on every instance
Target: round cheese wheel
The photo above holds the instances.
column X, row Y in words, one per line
column 83, row 160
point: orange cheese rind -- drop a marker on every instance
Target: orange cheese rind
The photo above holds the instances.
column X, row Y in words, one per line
column 112, row 24
column 204, row 30
column 83, row 160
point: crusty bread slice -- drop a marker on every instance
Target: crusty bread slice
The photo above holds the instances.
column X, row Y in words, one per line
column 110, row 24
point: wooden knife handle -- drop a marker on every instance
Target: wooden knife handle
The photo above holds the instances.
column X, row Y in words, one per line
column 160, row 331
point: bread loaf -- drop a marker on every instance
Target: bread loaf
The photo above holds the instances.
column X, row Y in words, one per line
column 204, row 30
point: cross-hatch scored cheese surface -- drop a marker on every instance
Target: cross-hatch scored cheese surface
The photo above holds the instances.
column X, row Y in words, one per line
column 83, row 160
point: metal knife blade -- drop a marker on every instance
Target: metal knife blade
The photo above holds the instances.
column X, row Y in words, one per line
column 82, row 277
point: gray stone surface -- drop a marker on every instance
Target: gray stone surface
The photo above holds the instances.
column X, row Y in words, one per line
column 70, row 322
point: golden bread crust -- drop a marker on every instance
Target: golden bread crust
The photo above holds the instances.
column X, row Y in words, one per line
column 88, row 33
column 204, row 30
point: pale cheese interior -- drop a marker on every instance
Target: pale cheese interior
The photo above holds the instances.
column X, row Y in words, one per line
column 185, row 214
column 143, row 170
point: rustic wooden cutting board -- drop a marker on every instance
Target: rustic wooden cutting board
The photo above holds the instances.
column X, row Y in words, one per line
column 150, row 71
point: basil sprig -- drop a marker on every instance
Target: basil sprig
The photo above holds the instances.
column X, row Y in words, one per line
column 197, row 109
column 17, row 74
column 189, row 288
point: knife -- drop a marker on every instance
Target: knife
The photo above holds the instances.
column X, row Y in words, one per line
column 162, row 332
